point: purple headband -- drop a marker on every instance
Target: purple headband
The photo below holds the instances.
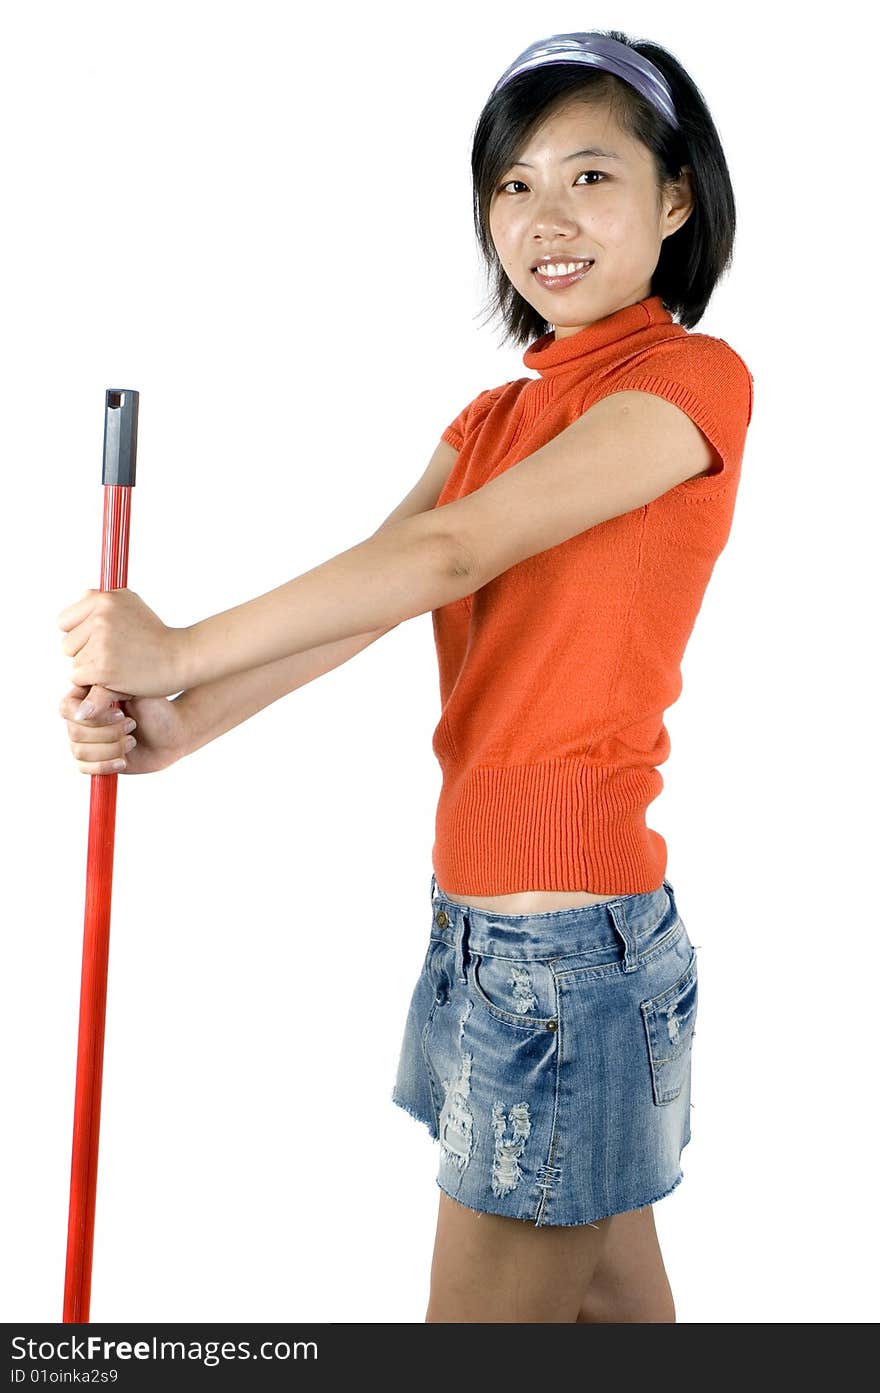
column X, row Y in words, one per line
column 599, row 52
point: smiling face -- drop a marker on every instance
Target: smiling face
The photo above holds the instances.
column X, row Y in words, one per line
column 605, row 208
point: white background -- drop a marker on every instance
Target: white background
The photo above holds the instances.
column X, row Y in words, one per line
column 170, row 172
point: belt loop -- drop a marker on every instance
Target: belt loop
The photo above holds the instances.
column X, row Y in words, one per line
column 671, row 893
column 461, row 951
column 631, row 953
column 433, row 887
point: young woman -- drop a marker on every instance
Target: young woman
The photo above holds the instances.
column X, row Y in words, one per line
column 562, row 536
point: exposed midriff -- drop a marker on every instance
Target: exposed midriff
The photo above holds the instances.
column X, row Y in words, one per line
column 531, row 901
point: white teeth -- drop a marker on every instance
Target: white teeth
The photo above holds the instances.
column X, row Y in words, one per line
column 561, row 269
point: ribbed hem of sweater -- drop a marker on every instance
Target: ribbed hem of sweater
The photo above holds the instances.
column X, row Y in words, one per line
column 563, row 825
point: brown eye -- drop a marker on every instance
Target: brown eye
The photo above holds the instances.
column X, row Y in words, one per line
column 601, row 175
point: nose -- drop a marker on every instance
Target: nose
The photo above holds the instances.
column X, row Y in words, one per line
column 550, row 226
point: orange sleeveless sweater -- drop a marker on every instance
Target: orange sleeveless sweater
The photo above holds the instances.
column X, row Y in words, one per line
column 555, row 676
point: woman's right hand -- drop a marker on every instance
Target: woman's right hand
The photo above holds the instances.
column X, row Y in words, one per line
column 156, row 724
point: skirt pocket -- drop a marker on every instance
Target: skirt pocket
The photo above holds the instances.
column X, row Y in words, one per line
column 669, row 1028
column 518, row 991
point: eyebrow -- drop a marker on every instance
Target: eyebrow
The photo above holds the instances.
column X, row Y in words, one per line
column 601, row 154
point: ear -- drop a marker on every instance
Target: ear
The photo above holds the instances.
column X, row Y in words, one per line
column 678, row 200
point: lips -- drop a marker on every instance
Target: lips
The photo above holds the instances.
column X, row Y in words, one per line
column 561, row 282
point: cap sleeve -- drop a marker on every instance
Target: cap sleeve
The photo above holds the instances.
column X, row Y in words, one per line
column 471, row 417
column 708, row 380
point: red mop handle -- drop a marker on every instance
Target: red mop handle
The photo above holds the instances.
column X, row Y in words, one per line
column 120, row 455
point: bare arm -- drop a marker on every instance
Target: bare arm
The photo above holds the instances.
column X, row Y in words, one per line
column 414, row 566
column 213, row 708
column 216, row 707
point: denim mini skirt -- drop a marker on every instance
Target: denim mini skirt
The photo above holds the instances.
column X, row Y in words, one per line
column 550, row 1055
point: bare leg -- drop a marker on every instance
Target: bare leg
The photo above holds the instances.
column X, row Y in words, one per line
column 488, row 1268
column 629, row 1283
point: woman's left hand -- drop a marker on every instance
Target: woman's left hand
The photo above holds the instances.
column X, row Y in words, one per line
column 121, row 648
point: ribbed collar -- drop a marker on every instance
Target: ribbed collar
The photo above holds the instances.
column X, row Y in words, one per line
column 615, row 336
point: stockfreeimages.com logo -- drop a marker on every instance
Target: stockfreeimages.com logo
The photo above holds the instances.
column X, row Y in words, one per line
column 94, row 1348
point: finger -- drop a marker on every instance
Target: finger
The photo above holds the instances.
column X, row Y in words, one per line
column 98, row 731
column 73, row 699
column 106, row 766
column 103, row 752
column 74, row 614
column 98, row 702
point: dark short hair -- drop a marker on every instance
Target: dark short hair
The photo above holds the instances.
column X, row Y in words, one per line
column 692, row 259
